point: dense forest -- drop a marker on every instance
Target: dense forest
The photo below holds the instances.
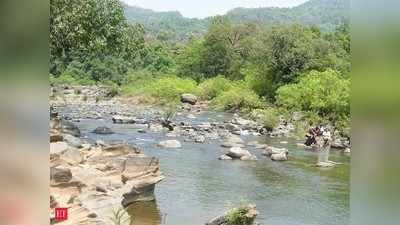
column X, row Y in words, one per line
column 325, row 14
column 262, row 69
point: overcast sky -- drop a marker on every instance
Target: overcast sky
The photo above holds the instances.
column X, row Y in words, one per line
column 205, row 8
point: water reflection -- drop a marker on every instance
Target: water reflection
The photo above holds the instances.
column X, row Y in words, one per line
column 144, row 213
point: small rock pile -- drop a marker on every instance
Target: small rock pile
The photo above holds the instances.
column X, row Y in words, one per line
column 276, row 154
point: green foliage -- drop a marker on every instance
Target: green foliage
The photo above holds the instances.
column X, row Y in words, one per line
column 238, row 97
column 168, row 26
column 167, row 89
column 114, row 89
column 93, row 37
column 213, row 87
column 269, row 117
column 326, row 14
column 258, row 79
column 217, row 55
column 91, row 25
column 239, row 62
column 237, row 216
column 190, row 61
column 323, row 93
column 64, row 79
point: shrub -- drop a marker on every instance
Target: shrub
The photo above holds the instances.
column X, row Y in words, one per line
column 139, row 77
column 66, row 79
column 237, row 97
column 114, row 89
column 258, row 79
column 213, row 87
column 237, row 216
column 323, row 93
column 166, row 90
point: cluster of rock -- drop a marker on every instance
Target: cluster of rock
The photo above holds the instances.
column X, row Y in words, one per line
column 93, row 102
column 238, row 153
column 92, row 180
column 246, row 216
column 276, row 154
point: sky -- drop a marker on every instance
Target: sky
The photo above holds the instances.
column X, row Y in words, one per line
column 205, row 8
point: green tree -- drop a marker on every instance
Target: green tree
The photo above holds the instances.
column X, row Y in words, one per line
column 217, row 55
column 324, row 93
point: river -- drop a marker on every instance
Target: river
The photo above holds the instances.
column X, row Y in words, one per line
column 198, row 186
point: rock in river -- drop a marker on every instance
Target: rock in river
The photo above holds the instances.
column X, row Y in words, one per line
column 225, row 157
column 276, row 154
column 189, row 98
column 170, row 144
column 123, row 120
column 237, row 153
column 103, row 130
column 247, row 217
column 279, row 157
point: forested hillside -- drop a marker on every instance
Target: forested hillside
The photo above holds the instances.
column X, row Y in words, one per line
column 325, row 14
column 167, row 25
column 260, row 70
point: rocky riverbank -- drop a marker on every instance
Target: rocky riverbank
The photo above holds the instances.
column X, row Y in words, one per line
column 79, row 103
column 93, row 180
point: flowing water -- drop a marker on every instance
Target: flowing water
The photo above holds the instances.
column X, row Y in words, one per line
column 198, row 186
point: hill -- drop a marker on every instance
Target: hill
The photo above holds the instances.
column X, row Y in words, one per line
column 326, row 14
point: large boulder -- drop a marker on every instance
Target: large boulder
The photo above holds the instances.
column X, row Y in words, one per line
column 103, row 130
column 141, row 190
column 237, row 153
column 189, row 98
column 170, row 144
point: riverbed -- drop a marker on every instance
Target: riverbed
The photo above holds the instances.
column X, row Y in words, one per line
column 198, row 186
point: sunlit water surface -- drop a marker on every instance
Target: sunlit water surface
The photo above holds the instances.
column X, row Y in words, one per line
column 198, row 186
